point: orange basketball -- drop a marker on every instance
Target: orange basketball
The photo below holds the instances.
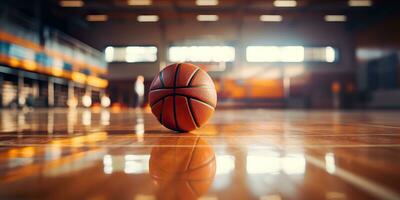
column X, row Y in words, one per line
column 182, row 167
column 182, row 97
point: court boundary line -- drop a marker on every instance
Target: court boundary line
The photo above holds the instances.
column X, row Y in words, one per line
column 152, row 135
column 272, row 146
column 360, row 182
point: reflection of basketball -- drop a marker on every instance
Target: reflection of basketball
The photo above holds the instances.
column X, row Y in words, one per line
column 182, row 97
column 182, row 167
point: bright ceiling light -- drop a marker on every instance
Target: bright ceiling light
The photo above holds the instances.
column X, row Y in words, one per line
column 270, row 18
column 330, row 54
column 109, row 54
column 275, row 53
column 201, row 53
column 139, row 2
column 360, row 3
column 225, row 164
column 96, row 18
column 206, row 2
column 147, row 18
column 335, row 18
column 71, row 4
column 141, row 54
column 207, row 18
column 292, row 54
column 285, row 3
column 105, row 101
column 86, row 100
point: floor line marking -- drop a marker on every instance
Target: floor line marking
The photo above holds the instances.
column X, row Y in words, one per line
column 368, row 186
column 129, row 135
column 269, row 146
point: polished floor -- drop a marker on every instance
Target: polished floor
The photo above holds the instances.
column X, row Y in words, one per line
column 239, row 154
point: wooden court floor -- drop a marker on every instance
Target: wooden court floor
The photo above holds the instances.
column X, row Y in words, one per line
column 239, row 154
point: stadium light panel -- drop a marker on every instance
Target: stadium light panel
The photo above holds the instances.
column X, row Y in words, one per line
column 147, row 18
column 139, row 2
column 201, row 53
column 207, row 18
column 270, row 18
column 275, row 54
column 335, row 18
column 360, row 3
column 292, row 54
column 96, row 18
column 141, row 54
column 285, row 3
column 72, row 4
column 206, row 2
column 109, row 54
column 330, row 54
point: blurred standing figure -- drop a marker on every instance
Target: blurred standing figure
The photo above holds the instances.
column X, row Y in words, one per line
column 139, row 89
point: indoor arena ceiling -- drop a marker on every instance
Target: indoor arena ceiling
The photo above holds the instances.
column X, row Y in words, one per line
column 286, row 11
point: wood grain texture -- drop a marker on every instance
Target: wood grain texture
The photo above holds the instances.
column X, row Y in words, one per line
column 259, row 154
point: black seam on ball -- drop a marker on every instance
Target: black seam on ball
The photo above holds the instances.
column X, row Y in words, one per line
column 192, row 77
column 192, row 154
column 191, row 112
column 174, row 96
column 177, row 87
column 209, row 104
column 162, row 79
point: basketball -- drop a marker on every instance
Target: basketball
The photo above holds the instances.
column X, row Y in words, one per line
column 182, row 97
column 182, row 167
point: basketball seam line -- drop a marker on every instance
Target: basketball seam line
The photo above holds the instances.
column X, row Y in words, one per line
column 161, row 79
column 204, row 103
column 160, row 99
column 191, row 188
column 191, row 154
column 191, row 112
column 200, row 166
column 197, row 86
column 161, row 110
column 209, row 104
column 174, row 96
column 192, row 77
column 193, row 151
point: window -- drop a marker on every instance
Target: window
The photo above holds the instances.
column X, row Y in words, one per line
column 290, row 54
column 320, row 54
column 201, row 53
column 275, row 54
column 131, row 54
